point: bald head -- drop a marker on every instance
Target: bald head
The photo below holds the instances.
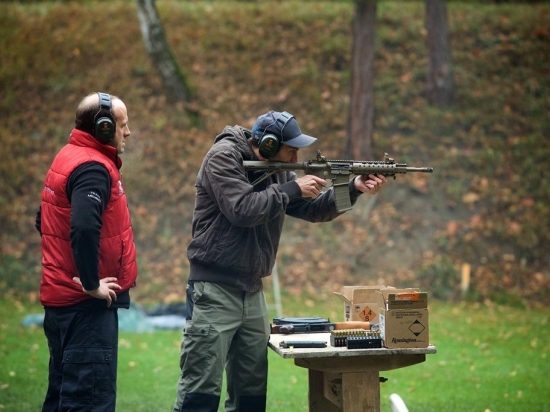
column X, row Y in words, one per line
column 89, row 102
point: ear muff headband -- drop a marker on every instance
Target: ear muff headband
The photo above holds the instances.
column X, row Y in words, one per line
column 269, row 144
column 104, row 123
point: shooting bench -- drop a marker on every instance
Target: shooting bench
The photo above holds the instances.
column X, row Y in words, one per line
column 342, row 379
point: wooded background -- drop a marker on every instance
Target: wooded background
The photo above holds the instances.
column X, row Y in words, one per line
column 484, row 211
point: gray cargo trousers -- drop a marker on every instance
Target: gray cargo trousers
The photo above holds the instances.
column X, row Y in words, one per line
column 227, row 329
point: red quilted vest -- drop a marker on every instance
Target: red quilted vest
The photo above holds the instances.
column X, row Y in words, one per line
column 117, row 252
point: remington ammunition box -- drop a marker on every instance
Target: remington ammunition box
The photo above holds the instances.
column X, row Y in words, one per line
column 404, row 319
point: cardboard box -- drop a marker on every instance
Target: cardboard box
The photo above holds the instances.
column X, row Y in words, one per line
column 404, row 321
column 361, row 303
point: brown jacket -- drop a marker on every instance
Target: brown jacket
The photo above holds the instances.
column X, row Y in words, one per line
column 237, row 226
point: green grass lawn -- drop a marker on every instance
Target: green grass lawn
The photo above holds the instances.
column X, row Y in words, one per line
column 489, row 358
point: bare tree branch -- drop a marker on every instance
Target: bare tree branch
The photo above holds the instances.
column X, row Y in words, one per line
column 440, row 87
column 173, row 78
column 361, row 115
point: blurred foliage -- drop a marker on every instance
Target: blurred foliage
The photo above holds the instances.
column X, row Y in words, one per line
column 290, row 1
column 487, row 203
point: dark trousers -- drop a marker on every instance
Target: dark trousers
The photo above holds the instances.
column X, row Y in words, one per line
column 83, row 349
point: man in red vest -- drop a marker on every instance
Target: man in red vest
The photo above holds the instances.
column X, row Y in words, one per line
column 88, row 258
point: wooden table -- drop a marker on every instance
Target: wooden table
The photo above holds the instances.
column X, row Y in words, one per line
column 342, row 379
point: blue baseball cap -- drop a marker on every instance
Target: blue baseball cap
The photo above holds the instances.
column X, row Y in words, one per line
column 284, row 126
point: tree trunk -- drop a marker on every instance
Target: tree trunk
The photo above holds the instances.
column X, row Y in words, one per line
column 361, row 115
column 173, row 79
column 440, row 88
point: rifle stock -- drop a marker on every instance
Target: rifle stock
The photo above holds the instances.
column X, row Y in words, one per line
column 337, row 171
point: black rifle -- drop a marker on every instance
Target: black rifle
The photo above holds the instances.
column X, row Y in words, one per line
column 337, row 171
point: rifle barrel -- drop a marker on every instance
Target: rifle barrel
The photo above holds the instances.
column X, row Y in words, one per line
column 356, row 168
column 420, row 169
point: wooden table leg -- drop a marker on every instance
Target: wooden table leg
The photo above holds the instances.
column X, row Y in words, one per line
column 361, row 392
column 346, row 392
column 317, row 401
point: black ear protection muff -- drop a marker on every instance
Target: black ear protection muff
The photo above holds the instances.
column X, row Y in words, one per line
column 269, row 144
column 104, row 123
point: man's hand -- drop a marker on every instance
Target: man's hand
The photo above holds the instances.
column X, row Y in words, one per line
column 311, row 186
column 106, row 289
column 370, row 184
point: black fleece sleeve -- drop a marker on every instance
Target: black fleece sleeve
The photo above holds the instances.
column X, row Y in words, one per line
column 291, row 189
column 38, row 220
column 89, row 190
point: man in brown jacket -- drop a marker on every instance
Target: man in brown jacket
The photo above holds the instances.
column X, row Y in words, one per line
column 236, row 231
